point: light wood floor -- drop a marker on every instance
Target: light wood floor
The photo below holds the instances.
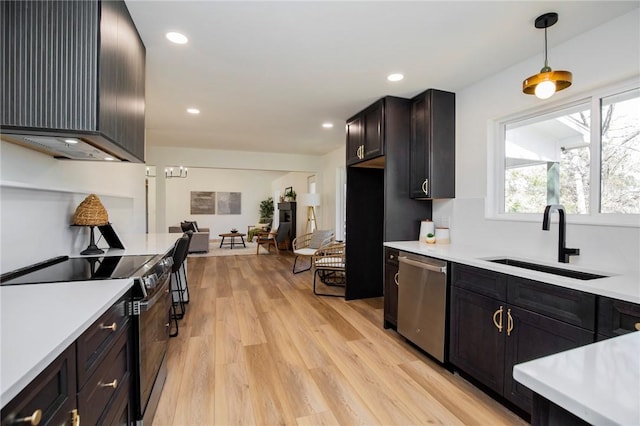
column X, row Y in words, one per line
column 256, row 347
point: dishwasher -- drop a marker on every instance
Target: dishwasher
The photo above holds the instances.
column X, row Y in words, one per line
column 422, row 302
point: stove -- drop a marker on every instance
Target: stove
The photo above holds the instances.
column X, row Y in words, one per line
column 64, row 268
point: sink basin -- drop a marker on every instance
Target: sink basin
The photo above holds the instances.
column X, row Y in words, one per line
column 548, row 269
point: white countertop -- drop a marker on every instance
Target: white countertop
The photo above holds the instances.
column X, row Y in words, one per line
column 600, row 383
column 39, row 321
column 618, row 286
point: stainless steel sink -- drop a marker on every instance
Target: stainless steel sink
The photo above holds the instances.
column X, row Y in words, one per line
column 548, row 269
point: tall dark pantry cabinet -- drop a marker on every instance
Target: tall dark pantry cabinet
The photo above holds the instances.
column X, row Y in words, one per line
column 379, row 207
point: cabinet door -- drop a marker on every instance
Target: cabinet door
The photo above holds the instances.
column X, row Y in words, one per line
column 476, row 344
column 374, row 130
column 419, row 149
column 355, row 132
column 616, row 317
column 53, row 392
column 390, row 295
column 530, row 336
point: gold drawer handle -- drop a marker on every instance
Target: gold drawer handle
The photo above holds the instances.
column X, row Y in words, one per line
column 637, row 326
column 33, row 419
column 113, row 384
column 395, row 278
column 75, row 417
column 111, row 327
column 495, row 321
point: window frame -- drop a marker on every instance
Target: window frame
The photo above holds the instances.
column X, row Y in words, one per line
column 494, row 207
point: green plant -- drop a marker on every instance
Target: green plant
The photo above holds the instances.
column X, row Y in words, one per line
column 291, row 194
column 430, row 235
column 266, row 208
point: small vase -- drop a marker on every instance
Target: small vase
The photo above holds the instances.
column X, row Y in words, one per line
column 431, row 240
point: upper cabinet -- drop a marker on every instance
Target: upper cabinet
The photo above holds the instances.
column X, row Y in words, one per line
column 432, row 166
column 365, row 134
column 73, row 69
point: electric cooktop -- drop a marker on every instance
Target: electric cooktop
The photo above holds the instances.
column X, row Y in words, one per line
column 63, row 268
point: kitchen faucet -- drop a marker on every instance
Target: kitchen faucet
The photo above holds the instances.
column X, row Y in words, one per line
column 563, row 251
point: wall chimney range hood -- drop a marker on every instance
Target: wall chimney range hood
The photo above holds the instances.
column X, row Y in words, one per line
column 72, row 91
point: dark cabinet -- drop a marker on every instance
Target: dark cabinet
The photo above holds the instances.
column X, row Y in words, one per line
column 378, row 205
column 432, row 171
column 616, row 317
column 51, row 395
column 287, row 214
column 390, row 288
column 498, row 321
column 90, row 379
column 366, row 134
column 74, row 69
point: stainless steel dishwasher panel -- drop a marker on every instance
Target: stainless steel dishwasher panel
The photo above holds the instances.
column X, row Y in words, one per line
column 422, row 302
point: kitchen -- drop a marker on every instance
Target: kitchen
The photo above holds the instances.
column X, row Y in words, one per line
column 57, row 187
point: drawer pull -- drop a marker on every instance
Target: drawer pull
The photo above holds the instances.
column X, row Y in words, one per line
column 75, row 417
column 637, row 326
column 113, row 384
column 111, row 327
column 495, row 322
column 509, row 322
column 395, row 278
column 33, row 419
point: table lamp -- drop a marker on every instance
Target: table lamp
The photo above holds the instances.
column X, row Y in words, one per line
column 91, row 213
column 311, row 200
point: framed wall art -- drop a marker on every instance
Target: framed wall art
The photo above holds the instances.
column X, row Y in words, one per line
column 203, row 202
column 229, row 202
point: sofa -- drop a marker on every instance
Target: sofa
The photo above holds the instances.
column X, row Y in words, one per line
column 199, row 241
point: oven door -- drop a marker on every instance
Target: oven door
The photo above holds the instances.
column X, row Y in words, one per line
column 152, row 322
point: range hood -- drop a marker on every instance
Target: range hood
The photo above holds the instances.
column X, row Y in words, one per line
column 64, row 147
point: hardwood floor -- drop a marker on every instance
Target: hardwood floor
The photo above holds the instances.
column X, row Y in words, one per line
column 256, row 347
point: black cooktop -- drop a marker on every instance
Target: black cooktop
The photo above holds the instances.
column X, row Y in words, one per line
column 63, row 268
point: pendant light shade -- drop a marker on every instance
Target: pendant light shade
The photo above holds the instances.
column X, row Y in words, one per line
column 546, row 82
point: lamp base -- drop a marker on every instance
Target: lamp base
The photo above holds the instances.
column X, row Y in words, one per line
column 92, row 248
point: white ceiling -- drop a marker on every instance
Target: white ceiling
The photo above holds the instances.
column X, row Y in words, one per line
column 267, row 74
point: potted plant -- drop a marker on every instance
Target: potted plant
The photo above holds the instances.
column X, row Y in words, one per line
column 266, row 210
column 289, row 194
column 431, row 239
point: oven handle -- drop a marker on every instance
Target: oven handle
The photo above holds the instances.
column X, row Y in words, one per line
column 147, row 305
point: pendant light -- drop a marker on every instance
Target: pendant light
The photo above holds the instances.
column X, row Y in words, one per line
column 546, row 82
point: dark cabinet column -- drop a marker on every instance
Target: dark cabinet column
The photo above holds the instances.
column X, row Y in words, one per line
column 287, row 214
column 391, row 288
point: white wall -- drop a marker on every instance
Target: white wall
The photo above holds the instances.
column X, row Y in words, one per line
column 331, row 163
column 602, row 56
column 39, row 194
column 254, row 186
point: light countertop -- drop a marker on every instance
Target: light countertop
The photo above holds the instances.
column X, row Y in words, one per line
column 618, row 286
column 39, row 321
column 600, row 382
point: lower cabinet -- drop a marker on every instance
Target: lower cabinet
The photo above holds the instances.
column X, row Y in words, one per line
column 489, row 335
column 50, row 398
column 90, row 380
column 391, row 288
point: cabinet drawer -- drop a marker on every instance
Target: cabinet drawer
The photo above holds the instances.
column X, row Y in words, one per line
column 482, row 281
column 109, row 380
column 93, row 343
column 53, row 392
column 616, row 317
column 564, row 304
column 391, row 256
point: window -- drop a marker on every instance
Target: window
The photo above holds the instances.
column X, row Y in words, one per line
column 584, row 155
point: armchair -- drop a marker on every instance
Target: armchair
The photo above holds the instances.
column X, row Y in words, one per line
column 253, row 230
column 199, row 241
column 274, row 238
column 307, row 244
column 328, row 263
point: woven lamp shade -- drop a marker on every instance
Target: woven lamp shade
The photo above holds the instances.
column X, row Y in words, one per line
column 91, row 212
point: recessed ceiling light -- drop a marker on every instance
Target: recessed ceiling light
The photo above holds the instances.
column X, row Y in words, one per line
column 71, row 141
column 193, row 110
column 395, row 77
column 327, row 125
column 109, row 158
column 177, row 38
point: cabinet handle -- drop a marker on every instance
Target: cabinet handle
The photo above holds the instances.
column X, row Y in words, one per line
column 395, row 277
column 509, row 322
column 391, row 257
column 33, row 419
column 113, row 384
column 637, row 326
column 495, row 314
column 425, row 188
column 111, row 327
column 75, row 417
